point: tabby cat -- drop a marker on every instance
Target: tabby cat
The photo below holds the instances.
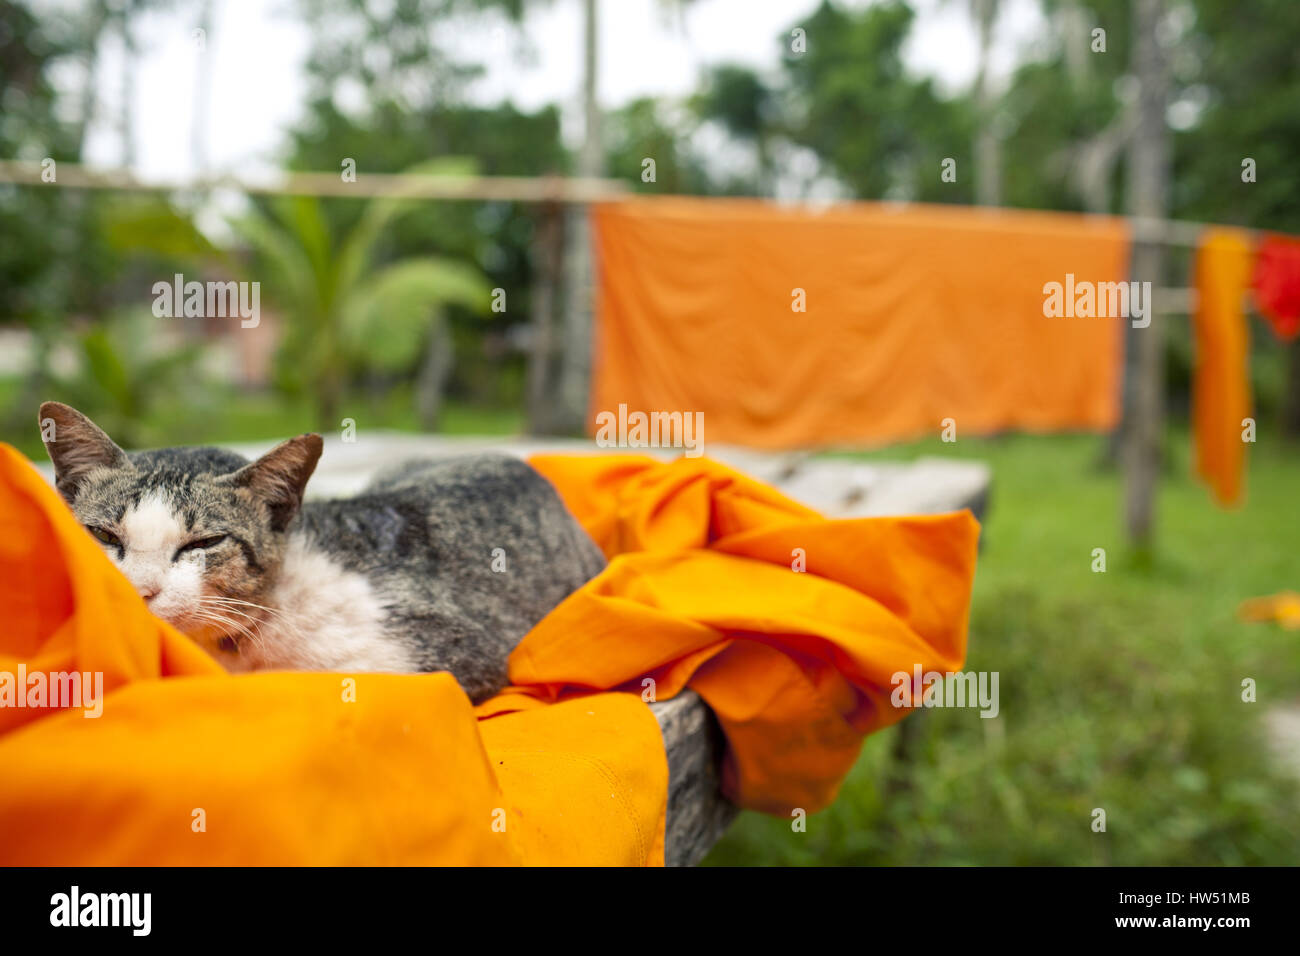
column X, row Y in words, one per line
column 406, row 576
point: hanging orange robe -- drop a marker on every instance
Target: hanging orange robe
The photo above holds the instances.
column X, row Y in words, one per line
column 860, row 324
column 1221, row 380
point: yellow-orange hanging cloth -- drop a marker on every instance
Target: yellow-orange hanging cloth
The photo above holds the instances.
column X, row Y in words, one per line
column 1221, row 381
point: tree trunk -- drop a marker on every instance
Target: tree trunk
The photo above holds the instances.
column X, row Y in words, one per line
column 575, row 371
column 1148, row 179
column 548, row 264
column 988, row 160
column 329, row 400
column 434, row 371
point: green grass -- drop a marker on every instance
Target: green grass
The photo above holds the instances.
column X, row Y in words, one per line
column 1119, row 690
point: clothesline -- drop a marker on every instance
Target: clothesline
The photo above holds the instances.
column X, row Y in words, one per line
column 542, row 189
column 558, row 189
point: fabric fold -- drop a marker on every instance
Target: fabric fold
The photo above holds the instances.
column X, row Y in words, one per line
column 797, row 665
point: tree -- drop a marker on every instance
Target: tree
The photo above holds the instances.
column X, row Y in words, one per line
column 1243, row 102
column 846, row 96
column 988, row 161
column 340, row 314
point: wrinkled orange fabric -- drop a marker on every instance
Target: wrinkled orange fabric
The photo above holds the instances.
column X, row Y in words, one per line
column 797, row 666
column 190, row 765
column 699, row 592
column 913, row 316
column 1221, row 379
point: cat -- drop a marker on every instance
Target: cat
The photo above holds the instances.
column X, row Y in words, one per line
column 404, row 577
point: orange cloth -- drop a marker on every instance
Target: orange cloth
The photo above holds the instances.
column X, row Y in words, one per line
column 1221, row 382
column 912, row 316
column 1283, row 607
column 700, row 591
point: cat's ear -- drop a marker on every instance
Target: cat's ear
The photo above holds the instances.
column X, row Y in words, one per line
column 280, row 476
column 77, row 446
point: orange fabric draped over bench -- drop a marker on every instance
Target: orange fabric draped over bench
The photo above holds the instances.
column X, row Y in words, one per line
column 910, row 316
column 189, row 765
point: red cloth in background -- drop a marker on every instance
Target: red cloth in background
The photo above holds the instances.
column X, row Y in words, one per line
column 1277, row 284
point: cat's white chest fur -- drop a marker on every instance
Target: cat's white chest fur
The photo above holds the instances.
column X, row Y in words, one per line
column 326, row 618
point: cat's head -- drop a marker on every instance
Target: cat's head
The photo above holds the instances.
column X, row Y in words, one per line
column 200, row 532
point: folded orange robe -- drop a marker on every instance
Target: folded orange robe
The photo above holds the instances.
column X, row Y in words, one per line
column 1221, row 383
column 862, row 323
column 187, row 764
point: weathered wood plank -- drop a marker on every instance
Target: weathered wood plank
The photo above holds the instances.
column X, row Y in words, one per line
column 698, row 814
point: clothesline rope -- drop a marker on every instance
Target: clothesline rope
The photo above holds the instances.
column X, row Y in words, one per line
column 561, row 189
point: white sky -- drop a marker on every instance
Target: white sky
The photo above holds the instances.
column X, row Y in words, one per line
column 256, row 48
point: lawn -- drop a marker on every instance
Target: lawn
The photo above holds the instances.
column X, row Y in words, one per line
column 1119, row 690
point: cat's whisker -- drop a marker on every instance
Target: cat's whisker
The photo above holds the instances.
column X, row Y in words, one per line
column 225, row 622
column 275, row 616
column 209, row 613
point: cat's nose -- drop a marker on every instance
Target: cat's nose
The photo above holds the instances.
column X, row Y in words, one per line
column 148, row 591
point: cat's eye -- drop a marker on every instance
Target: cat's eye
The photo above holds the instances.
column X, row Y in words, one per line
column 200, row 544
column 105, row 537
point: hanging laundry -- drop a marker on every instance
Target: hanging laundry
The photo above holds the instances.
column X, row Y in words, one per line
column 862, row 323
column 1221, row 380
column 1277, row 284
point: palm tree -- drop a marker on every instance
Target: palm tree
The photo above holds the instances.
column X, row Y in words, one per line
column 341, row 313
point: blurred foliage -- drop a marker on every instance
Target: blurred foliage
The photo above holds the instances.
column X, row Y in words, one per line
column 343, row 312
column 852, row 102
column 391, row 129
column 646, row 129
column 385, row 51
column 389, row 87
column 1242, row 72
column 48, row 264
column 126, row 371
